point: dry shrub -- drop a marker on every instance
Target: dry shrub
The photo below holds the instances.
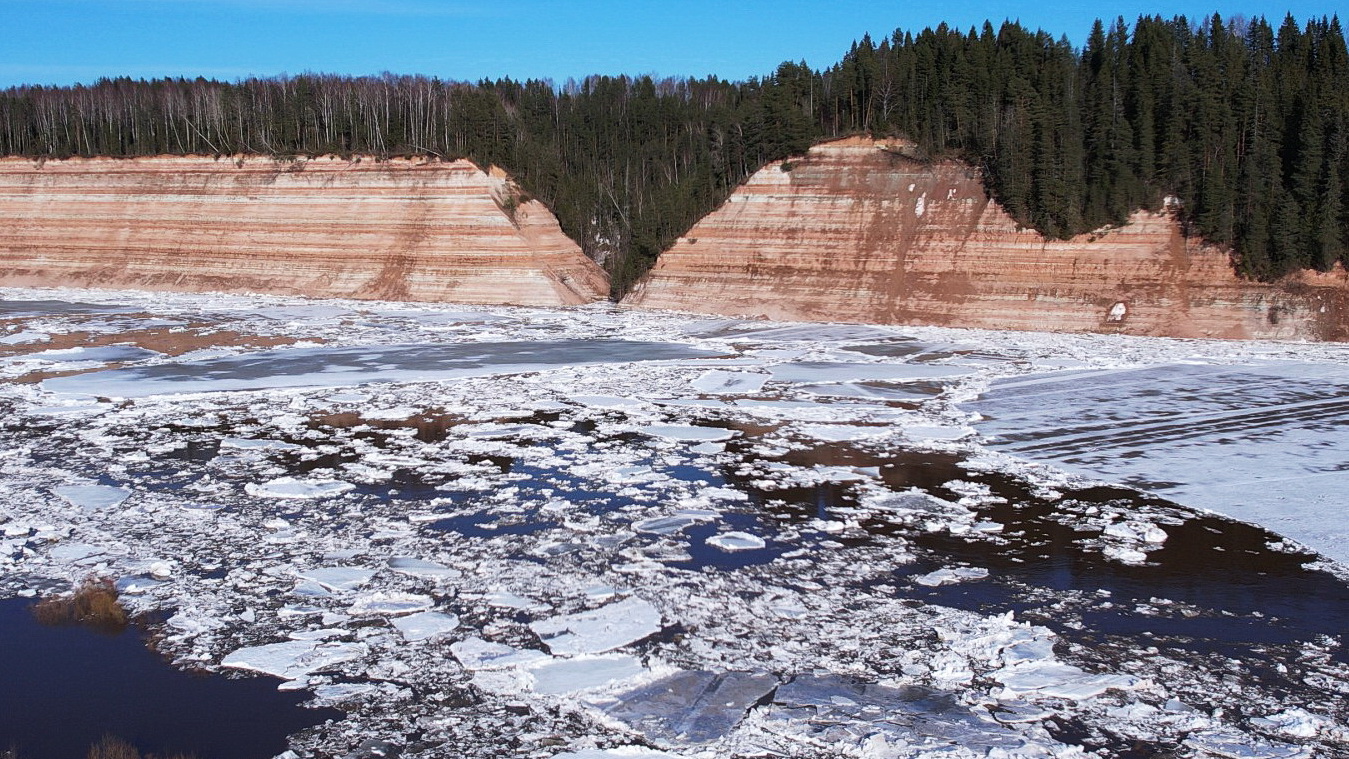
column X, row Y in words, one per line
column 93, row 605
column 111, row 747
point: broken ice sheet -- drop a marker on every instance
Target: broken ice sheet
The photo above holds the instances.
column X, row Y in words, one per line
column 390, row 604
column 92, row 497
column 736, row 541
column 671, row 525
column 478, row 654
column 1230, row 744
column 1052, row 679
column 946, row 575
column 691, row 707
column 421, row 568
column 290, row 487
column 570, row 676
column 292, row 658
column 718, row 381
column 599, row 630
column 837, row 708
column 338, row 578
column 687, row 433
column 622, row 752
column 425, row 625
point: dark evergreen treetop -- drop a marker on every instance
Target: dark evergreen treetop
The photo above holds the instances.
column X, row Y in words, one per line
column 1245, row 125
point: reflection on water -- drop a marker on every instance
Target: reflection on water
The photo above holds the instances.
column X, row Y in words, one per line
column 64, row 688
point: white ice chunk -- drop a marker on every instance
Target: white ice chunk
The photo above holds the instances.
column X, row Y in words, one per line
column 249, row 444
column 1050, row 679
column 75, row 553
column 736, row 541
column 476, row 654
column 397, row 413
column 820, row 371
column 289, row 487
column 26, row 336
column 425, row 625
column 623, row 752
column 843, row 432
column 420, row 568
column 1136, row 531
column 599, row 630
column 936, row 432
column 945, row 576
column 390, row 604
column 92, row 497
column 718, row 381
column 293, row 658
column 685, row 432
column 666, row 525
column 506, row 600
column 1230, row 744
column 1296, row 722
column 608, row 401
column 338, row 578
column 569, row 676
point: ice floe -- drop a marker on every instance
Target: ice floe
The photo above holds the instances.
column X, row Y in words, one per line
column 93, row 497
column 291, row 487
column 424, row 625
column 507, row 530
column 736, row 541
column 598, row 630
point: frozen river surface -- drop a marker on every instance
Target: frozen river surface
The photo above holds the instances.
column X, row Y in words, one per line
column 607, row 533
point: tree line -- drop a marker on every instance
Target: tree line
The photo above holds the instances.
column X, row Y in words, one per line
column 1245, row 126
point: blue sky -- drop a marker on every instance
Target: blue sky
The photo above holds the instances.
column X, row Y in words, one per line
column 67, row 41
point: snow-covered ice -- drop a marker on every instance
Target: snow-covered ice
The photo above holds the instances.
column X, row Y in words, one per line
column 598, row 630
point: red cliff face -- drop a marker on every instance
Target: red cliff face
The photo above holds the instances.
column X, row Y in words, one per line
column 399, row 230
column 853, row 231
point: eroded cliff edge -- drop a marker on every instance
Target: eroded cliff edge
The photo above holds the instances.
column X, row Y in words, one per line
column 856, row 231
column 402, row 229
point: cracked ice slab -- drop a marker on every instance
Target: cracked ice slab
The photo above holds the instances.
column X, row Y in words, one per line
column 289, row 487
column 425, row 625
column 1051, row 679
column 622, row 752
column 291, row 658
column 360, row 365
column 599, row 630
column 338, row 578
column 687, row 432
column 691, row 707
column 736, row 541
column 561, row 677
column 92, row 497
column 478, row 654
column 718, row 381
column 838, row 707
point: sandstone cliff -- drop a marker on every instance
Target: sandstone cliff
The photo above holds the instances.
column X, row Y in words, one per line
column 855, row 231
column 400, row 229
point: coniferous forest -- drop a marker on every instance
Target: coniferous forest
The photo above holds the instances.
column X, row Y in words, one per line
column 1246, row 124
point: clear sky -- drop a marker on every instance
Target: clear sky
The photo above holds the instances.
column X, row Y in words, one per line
column 67, row 41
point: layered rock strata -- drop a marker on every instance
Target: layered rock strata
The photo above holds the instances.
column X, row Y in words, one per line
column 856, row 231
column 403, row 229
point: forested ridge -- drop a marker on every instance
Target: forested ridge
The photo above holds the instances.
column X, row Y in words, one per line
column 1246, row 125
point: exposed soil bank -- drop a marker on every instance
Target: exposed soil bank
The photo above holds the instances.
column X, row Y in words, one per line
column 400, row 229
column 855, row 231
